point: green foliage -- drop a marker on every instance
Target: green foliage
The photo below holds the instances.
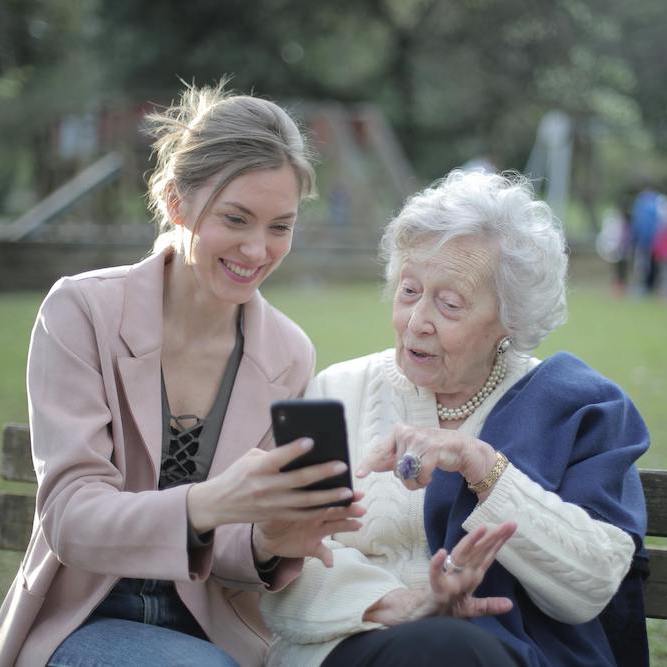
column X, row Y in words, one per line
column 46, row 72
column 456, row 79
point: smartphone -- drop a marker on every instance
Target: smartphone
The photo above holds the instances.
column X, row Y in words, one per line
column 323, row 420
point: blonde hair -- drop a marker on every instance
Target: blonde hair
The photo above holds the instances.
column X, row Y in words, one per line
column 213, row 131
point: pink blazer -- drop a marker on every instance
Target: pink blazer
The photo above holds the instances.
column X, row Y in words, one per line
column 95, row 420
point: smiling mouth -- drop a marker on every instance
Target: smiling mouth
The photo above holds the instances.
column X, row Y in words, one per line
column 240, row 271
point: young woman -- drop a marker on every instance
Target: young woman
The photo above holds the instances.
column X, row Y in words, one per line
column 160, row 513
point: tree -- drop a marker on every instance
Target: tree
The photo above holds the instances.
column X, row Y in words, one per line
column 455, row 77
column 45, row 72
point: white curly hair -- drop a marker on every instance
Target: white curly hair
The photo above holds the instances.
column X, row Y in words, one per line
column 531, row 262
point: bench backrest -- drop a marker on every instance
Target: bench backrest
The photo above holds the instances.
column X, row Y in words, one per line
column 15, row 532
column 655, row 490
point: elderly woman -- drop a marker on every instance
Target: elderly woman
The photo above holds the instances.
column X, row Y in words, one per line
column 476, row 432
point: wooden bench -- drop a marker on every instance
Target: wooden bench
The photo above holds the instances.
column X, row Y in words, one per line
column 17, row 510
column 655, row 490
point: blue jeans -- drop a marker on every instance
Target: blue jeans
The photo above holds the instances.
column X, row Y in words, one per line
column 114, row 642
column 141, row 622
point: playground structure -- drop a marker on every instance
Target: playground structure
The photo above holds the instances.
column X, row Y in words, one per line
column 363, row 175
column 550, row 161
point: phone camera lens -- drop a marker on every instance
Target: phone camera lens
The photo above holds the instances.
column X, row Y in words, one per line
column 282, row 417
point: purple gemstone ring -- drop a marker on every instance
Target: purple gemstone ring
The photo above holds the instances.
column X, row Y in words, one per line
column 408, row 466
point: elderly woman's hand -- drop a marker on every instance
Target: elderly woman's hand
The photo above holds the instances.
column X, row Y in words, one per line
column 435, row 448
column 451, row 591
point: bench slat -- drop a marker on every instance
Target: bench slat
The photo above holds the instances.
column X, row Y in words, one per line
column 16, row 456
column 655, row 490
column 656, row 589
column 17, row 513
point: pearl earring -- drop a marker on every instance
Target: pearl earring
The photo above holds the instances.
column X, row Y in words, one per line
column 504, row 345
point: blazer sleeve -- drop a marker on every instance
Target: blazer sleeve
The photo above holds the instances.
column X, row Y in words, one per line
column 89, row 522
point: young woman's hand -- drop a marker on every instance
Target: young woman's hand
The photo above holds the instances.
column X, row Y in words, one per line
column 254, row 490
column 450, row 592
column 295, row 539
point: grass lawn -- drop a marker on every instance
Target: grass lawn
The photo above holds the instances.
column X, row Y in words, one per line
column 17, row 314
column 623, row 339
column 9, row 563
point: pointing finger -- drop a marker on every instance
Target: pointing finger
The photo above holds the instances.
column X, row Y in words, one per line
column 382, row 458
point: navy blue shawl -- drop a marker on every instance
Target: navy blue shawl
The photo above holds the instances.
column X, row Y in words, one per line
column 577, row 434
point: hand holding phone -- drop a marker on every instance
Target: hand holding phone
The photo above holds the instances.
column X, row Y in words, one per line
column 323, row 420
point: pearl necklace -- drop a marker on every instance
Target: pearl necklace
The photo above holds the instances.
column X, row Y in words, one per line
column 495, row 378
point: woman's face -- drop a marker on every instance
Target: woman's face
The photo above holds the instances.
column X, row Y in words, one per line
column 244, row 235
column 446, row 317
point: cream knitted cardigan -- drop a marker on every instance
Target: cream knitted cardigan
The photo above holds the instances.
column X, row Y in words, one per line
column 323, row 606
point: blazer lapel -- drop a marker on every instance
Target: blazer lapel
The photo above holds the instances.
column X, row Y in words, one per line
column 247, row 419
column 258, row 383
column 141, row 329
column 141, row 381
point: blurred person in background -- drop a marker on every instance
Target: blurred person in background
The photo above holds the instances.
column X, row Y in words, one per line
column 614, row 243
column 647, row 212
column 160, row 513
column 459, row 428
column 660, row 250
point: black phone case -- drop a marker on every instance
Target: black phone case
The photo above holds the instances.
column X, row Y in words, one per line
column 324, row 422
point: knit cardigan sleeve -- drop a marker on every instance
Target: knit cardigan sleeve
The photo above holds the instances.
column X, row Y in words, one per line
column 569, row 563
column 328, row 603
column 573, row 488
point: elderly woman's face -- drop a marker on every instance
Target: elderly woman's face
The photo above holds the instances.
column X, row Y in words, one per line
column 446, row 317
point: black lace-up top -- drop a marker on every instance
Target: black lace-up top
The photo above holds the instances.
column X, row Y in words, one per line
column 189, row 441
